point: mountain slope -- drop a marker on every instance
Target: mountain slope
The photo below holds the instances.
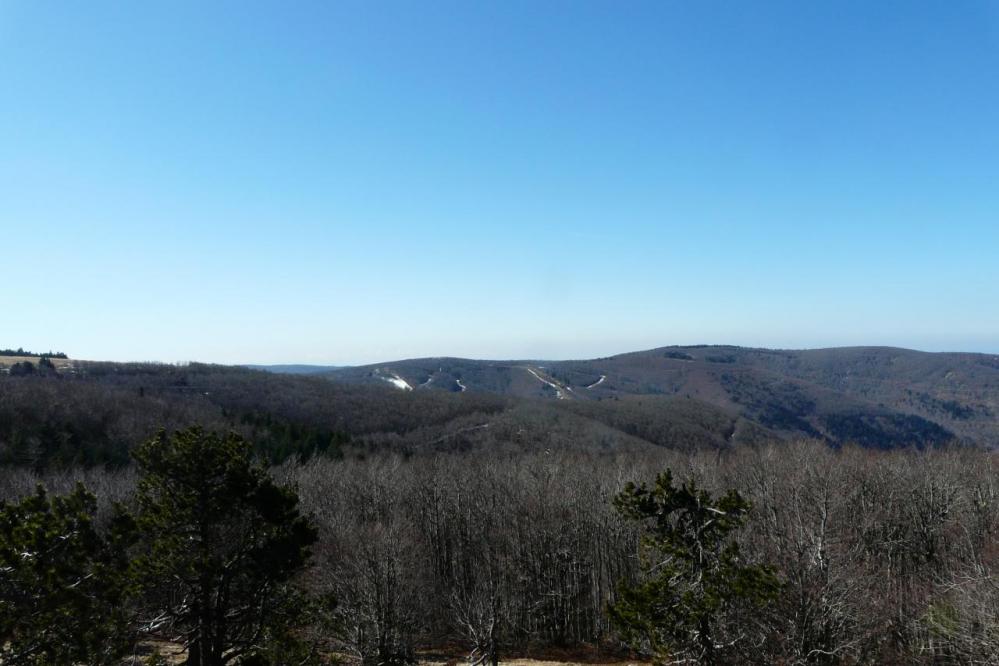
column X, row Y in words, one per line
column 876, row 396
column 681, row 398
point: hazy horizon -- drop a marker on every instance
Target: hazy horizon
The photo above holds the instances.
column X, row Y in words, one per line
column 344, row 183
column 373, row 361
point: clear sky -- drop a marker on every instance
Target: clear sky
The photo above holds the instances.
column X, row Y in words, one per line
column 346, row 182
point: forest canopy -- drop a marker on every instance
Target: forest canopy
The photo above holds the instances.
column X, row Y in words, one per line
column 878, row 557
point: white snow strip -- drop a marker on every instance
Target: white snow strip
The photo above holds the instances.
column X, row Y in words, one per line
column 429, row 379
column 598, row 382
column 461, row 386
column 558, row 389
column 398, row 382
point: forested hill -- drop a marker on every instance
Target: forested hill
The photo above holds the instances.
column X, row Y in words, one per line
column 876, row 396
column 681, row 398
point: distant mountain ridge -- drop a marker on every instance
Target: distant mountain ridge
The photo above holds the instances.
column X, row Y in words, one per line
column 294, row 368
column 684, row 398
column 870, row 395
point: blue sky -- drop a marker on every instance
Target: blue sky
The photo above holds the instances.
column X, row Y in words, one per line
column 346, row 182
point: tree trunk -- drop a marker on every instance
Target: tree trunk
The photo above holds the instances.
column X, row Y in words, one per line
column 707, row 644
column 194, row 654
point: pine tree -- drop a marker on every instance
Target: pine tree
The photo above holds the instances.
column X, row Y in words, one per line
column 224, row 543
column 22, row 369
column 695, row 587
column 61, row 588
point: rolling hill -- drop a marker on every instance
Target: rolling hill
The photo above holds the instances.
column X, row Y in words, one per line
column 874, row 396
column 688, row 398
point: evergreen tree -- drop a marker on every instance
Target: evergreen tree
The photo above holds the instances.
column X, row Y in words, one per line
column 224, row 543
column 61, row 588
column 22, row 369
column 687, row 606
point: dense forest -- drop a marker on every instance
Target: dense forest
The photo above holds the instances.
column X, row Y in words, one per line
column 88, row 413
column 885, row 396
column 95, row 413
column 879, row 557
column 453, row 525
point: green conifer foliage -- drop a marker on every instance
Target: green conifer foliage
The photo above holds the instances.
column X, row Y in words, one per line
column 61, row 583
column 695, row 588
column 223, row 543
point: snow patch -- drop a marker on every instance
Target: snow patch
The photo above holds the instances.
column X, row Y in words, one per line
column 598, row 382
column 558, row 388
column 397, row 381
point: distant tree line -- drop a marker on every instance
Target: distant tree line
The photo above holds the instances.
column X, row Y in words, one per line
column 26, row 368
column 21, row 352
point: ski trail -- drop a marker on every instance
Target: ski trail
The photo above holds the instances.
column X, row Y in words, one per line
column 558, row 389
column 598, row 382
column 397, row 381
column 461, row 386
